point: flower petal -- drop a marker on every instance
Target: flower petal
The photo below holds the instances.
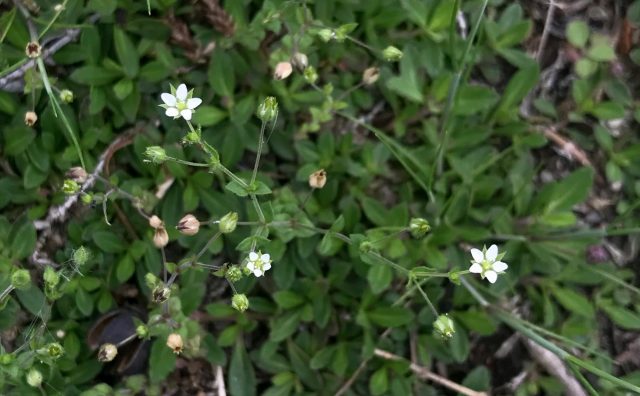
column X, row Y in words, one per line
column 475, row 268
column 265, row 257
column 499, row 266
column 168, row 99
column 258, row 272
column 266, row 267
column 193, row 103
column 478, row 257
column 492, row 253
column 253, row 256
column 186, row 114
column 181, row 92
column 491, row 276
column 251, row 266
column 172, row 112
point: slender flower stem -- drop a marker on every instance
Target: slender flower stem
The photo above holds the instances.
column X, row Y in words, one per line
column 194, row 260
column 260, row 144
column 6, row 292
column 427, row 299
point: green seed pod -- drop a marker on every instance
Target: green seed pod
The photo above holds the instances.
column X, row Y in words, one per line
column 228, row 222
column 419, row 227
column 66, row 96
column 240, row 302
column 142, row 331
column 443, row 326
column 155, row 154
column 391, row 54
column 70, row 187
column 54, row 350
column 80, row 256
column 233, row 273
column 21, row 279
column 51, row 277
column 34, row 378
column 310, row 75
column 268, row 109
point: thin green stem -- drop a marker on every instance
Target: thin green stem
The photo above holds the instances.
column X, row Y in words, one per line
column 258, row 209
column 53, row 20
column 259, row 154
column 194, row 260
column 6, row 292
column 426, row 298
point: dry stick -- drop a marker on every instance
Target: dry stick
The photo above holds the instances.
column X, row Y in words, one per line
column 545, row 31
column 555, row 366
column 219, row 382
column 427, row 374
column 59, row 214
column 567, row 146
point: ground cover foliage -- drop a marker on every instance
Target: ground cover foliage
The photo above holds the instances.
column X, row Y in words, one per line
column 303, row 197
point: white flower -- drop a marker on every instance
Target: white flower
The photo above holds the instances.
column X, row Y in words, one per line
column 179, row 102
column 487, row 264
column 259, row 263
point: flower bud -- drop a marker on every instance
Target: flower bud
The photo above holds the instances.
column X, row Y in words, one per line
column 391, row 54
column 160, row 238
column 443, row 326
column 53, row 350
column 77, row 174
column 366, row 247
column 160, row 294
column 192, row 137
column 34, row 378
column 32, row 50
column 6, row 359
column 58, row 7
column 233, row 273
column 300, row 61
column 80, row 256
column 60, row 333
column 370, row 75
column 155, row 154
column 318, row 179
column 142, row 331
column 30, row 118
column 174, row 341
column 51, row 277
column 86, row 198
column 240, row 302
column 188, row 225
column 151, row 280
column 310, row 75
column 70, row 187
column 66, row 96
column 107, row 353
column 282, row 70
column 155, row 222
column 268, row 109
column 326, row 34
column 419, row 227
column 21, row 279
column 228, row 222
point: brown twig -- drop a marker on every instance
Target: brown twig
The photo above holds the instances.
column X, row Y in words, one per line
column 59, row 214
column 219, row 382
column 218, row 17
column 427, row 374
column 555, row 366
column 566, row 146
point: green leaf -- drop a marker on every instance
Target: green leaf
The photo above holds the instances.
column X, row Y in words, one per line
column 621, row 316
column 379, row 277
column 108, row 241
column 94, row 75
column 126, row 52
column 300, row 364
column 574, row 301
column 17, row 139
column 161, row 361
column 33, row 300
column 125, row 269
column 473, row 99
column 601, row 52
column 578, row 33
column 379, row 382
column 242, row 378
column 608, row 110
column 519, row 86
column 285, row 325
column 208, row 116
column 390, row 316
column 84, row 302
column 236, row 188
column 322, row 358
column 287, row 299
column 221, row 75
column 23, row 239
column 570, row 191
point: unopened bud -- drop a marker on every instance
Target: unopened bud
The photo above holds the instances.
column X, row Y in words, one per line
column 233, row 274
column 155, row 154
column 151, row 280
column 60, row 333
column 391, row 54
column 70, row 187
column 86, row 198
column 228, row 222
column 66, row 96
column 318, row 179
column 155, row 222
column 370, row 75
column 282, row 70
column 419, row 227
column 34, row 378
column 174, row 341
column 51, row 277
column 21, row 279
column 160, row 294
column 30, row 118
column 240, row 302
column 142, row 331
column 32, row 50
column 107, row 353
column 160, row 238
column 80, row 256
column 188, row 225
column 326, row 34
column 366, row 247
column 310, row 75
column 53, row 350
column 300, row 61
column 443, row 326
column 77, row 174
column 268, row 109
column 6, row 359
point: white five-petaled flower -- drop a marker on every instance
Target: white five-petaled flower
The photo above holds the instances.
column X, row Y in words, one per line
column 259, row 263
column 486, row 262
column 180, row 103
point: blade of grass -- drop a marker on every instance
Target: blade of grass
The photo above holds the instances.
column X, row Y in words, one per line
column 57, row 110
column 453, row 93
